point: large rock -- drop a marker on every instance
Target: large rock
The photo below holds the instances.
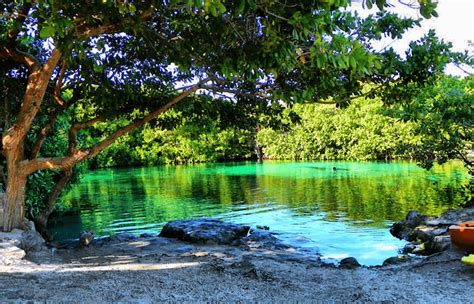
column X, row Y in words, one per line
column 13, row 236
column 32, row 241
column 205, row 231
column 10, row 254
column 404, row 229
column 437, row 244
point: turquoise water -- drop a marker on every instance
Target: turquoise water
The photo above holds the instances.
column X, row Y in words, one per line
column 339, row 213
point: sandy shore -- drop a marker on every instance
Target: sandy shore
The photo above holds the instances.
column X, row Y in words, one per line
column 148, row 270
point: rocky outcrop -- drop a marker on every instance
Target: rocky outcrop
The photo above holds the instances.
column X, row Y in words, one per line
column 205, row 231
column 429, row 235
column 263, row 239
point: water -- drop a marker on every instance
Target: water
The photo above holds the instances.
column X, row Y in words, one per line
column 340, row 213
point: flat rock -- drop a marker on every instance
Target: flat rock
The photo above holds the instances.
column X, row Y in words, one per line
column 14, row 235
column 453, row 216
column 10, row 254
column 205, row 231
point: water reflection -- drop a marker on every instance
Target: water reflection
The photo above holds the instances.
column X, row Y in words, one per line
column 342, row 212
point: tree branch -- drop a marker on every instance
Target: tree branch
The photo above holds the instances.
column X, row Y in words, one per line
column 38, row 81
column 59, row 84
column 21, row 57
column 236, row 92
column 44, row 131
column 72, row 148
column 41, row 220
column 96, row 149
column 93, row 30
column 63, row 163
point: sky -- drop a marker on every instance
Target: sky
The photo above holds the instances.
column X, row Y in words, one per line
column 455, row 24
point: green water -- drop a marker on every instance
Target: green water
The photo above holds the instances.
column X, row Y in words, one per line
column 340, row 213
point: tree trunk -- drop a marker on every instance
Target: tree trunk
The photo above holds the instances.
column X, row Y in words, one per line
column 41, row 220
column 13, row 208
column 14, row 197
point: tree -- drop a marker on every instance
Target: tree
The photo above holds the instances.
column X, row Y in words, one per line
column 117, row 56
column 443, row 112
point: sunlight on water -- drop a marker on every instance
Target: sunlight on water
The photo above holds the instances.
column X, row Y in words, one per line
column 339, row 209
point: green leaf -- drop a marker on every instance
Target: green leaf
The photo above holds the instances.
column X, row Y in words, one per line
column 47, row 31
column 252, row 4
column 214, row 11
column 241, row 7
column 222, row 8
column 369, row 4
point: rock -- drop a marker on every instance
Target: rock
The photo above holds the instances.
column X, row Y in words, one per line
column 32, row 241
column 349, row 263
column 404, row 229
column 263, row 227
column 396, row 260
column 14, row 236
column 437, row 244
column 204, row 231
column 263, row 239
column 124, row 236
column 414, row 218
column 452, row 217
column 10, row 254
column 429, row 235
column 86, row 238
column 419, row 249
column 408, row 248
column 426, row 233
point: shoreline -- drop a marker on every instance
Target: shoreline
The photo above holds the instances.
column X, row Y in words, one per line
column 154, row 268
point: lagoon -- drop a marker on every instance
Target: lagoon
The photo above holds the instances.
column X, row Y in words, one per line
column 338, row 209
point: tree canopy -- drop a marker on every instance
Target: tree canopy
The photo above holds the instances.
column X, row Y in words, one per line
column 115, row 57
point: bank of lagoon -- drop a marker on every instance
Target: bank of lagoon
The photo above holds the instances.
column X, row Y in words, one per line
column 338, row 209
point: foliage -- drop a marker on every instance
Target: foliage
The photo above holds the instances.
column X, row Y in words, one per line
column 203, row 129
column 359, row 132
column 443, row 113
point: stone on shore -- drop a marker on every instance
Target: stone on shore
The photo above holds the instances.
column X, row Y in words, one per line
column 205, row 231
column 10, row 254
column 349, row 263
column 32, row 241
column 396, row 260
column 429, row 235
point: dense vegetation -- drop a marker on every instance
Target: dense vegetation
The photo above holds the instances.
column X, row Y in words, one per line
column 80, row 76
column 435, row 124
column 202, row 129
column 359, row 132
